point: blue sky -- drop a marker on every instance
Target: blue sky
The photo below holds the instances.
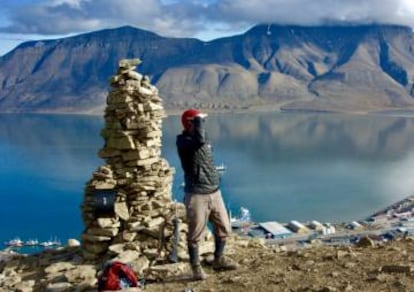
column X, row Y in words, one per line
column 204, row 19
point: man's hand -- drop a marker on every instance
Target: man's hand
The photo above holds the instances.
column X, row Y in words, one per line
column 201, row 115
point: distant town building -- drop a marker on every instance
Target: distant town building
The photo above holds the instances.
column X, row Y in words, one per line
column 354, row 225
column 402, row 215
column 328, row 229
column 379, row 218
column 277, row 230
column 297, row 227
column 315, row 225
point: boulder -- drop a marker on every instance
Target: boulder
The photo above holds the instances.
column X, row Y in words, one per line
column 73, row 242
column 55, row 268
column 365, row 242
column 127, row 256
column 58, row 287
column 121, row 209
column 169, row 271
column 140, row 265
column 25, row 286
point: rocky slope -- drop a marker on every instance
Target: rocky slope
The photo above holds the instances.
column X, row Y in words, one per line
column 387, row 267
column 330, row 68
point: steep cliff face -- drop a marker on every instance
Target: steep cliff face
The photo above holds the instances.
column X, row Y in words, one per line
column 348, row 68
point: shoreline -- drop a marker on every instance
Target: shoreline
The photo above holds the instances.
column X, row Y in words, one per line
column 389, row 112
column 399, row 214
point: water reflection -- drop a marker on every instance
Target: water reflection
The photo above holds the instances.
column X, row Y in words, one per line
column 280, row 166
column 44, row 164
column 307, row 166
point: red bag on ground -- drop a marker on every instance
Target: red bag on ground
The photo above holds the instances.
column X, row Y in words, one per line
column 116, row 276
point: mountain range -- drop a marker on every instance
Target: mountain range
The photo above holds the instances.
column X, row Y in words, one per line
column 353, row 68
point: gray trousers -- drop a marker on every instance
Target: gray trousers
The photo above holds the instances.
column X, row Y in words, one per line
column 202, row 208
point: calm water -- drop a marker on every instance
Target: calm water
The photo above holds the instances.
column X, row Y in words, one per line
column 280, row 166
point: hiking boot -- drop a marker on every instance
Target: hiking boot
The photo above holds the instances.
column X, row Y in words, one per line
column 224, row 264
column 198, row 273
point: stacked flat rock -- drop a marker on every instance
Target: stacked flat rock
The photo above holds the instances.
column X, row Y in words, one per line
column 140, row 231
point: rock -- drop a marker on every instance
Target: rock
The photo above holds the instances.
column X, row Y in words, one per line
column 58, row 287
column 86, row 286
column 117, row 248
column 328, row 289
column 182, row 254
column 140, row 265
column 257, row 243
column 121, row 143
column 151, row 253
column 365, row 242
column 134, row 155
column 95, row 248
column 81, row 273
column 129, row 236
column 104, row 185
column 169, row 271
column 95, row 238
column 9, row 278
column 134, row 75
column 400, row 285
column 156, row 222
column 108, row 232
column 350, row 265
column 121, row 209
column 341, row 254
column 205, row 247
column 129, row 63
column 6, row 256
column 127, row 256
column 380, row 277
column 242, row 243
column 73, row 242
column 148, row 161
column 108, row 153
column 154, row 232
column 59, row 267
column 147, row 92
column 108, row 222
column 25, row 286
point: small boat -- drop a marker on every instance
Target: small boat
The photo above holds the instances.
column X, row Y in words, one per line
column 56, row 242
column 49, row 243
column 46, row 243
column 32, row 242
column 242, row 220
column 221, row 167
column 14, row 242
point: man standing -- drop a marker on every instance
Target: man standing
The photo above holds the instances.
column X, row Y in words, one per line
column 203, row 198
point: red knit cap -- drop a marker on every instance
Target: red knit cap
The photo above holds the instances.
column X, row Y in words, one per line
column 187, row 115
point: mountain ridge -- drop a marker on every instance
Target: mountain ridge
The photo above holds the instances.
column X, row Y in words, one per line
column 322, row 68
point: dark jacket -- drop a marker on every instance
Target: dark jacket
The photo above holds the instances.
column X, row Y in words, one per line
column 200, row 174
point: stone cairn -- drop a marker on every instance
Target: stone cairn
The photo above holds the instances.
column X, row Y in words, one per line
column 140, row 230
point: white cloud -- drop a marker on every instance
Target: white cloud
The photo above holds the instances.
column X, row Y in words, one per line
column 197, row 17
column 51, row 17
column 72, row 3
column 316, row 12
